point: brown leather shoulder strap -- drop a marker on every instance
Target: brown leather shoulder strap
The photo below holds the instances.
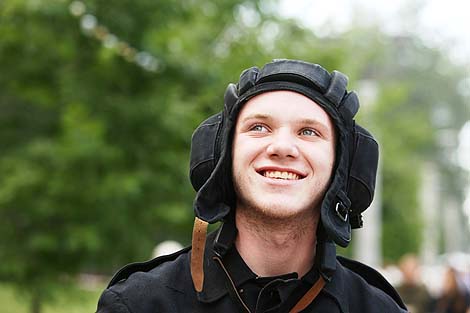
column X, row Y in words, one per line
column 309, row 296
column 197, row 253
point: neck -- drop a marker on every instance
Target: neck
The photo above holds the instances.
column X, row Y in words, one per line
column 275, row 246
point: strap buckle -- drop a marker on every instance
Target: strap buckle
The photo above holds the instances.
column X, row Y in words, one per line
column 342, row 211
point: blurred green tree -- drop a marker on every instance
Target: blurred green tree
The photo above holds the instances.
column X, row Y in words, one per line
column 94, row 147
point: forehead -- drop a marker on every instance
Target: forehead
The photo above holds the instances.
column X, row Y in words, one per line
column 285, row 105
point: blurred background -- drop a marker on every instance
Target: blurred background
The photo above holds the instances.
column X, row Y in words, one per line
column 98, row 100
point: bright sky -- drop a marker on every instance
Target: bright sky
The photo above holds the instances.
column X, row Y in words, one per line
column 441, row 22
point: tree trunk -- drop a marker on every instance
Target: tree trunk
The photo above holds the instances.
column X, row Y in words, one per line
column 36, row 302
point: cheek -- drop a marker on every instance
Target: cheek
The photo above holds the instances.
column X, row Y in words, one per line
column 243, row 149
column 331, row 156
column 239, row 156
column 322, row 157
column 331, row 159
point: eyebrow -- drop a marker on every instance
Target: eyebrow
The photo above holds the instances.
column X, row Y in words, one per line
column 324, row 128
column 309, row 121
column 256, row 116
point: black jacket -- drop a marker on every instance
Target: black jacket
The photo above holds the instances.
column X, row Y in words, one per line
column 164, row 285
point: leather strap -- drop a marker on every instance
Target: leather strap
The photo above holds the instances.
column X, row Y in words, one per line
column 197, row 253
column 309, row 296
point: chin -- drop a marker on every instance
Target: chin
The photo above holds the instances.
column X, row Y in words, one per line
column 280, row 210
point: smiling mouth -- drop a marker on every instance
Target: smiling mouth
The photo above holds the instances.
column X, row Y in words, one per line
column 281, row 175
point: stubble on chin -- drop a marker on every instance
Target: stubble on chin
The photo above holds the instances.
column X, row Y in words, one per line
column 261, row 219
column 266, row 217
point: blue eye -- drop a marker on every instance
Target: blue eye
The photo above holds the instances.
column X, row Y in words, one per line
column 259, row 128
column 308, row 132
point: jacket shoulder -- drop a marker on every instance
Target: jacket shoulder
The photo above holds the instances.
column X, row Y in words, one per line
column 144, row 286
column 146, row 266
column 367, row 286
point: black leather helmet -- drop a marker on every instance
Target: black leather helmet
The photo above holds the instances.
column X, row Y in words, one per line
column 352, row 186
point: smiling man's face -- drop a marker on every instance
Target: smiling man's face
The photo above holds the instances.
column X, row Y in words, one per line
column 283, row 154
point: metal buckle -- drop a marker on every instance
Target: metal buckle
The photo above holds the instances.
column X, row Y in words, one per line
column 344, row 214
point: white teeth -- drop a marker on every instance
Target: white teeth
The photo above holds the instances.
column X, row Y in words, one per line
column 281, row 175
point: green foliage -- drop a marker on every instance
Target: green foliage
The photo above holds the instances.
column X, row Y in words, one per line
column 94, row 149
column 70, row 300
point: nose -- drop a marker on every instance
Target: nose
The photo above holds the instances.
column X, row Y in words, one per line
column 283, row 145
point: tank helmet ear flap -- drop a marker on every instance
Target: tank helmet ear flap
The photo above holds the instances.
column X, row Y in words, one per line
column 362, row 175
column 204, row 150
column 352, row 186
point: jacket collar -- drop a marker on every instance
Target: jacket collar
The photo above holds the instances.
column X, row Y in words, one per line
column 219, row 244
column 335, row 288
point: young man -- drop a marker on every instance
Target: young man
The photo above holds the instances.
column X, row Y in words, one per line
column 288, row 172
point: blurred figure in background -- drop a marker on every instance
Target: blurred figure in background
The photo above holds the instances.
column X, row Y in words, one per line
column 413, row 292
column 455, row 298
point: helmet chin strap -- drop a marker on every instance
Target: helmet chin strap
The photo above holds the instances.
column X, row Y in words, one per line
column 197, row 253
